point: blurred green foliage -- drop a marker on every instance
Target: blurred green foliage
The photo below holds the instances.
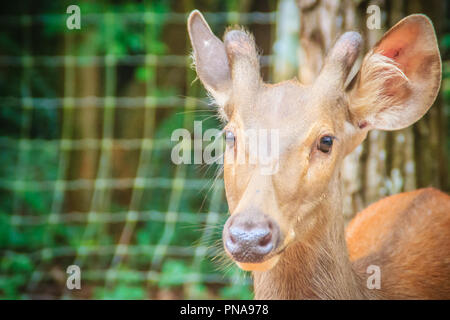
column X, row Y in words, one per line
column 445, row 54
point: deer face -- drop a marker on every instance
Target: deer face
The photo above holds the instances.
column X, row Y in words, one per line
column 285, row 142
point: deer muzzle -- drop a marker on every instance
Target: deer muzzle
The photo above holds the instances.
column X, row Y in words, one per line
column 251, row 239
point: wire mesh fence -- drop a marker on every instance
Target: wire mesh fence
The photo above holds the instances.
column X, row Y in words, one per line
column 86, row 123
column 86, row 176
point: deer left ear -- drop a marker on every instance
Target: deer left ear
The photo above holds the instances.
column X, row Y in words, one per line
column 211, row 61
column 399, row 78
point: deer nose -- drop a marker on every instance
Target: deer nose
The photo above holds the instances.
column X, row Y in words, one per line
column 250, row 239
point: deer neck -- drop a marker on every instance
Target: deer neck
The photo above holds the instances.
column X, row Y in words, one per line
column 317, row 267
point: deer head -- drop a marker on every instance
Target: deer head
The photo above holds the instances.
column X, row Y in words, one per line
column 317, row 126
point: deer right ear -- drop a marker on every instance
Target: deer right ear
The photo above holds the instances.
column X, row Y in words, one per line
column 210, row 58
column 400, row 78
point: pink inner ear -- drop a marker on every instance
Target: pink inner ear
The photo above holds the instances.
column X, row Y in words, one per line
column 402, row 46
column 393, row 53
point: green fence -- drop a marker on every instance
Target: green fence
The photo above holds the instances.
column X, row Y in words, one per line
column 86, row 178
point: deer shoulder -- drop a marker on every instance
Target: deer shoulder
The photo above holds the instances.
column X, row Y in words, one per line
column 407, row 236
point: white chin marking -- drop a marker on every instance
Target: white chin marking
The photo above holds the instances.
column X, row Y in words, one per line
column 263, row 266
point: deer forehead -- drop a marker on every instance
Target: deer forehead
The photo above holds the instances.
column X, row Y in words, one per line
column 293, row 110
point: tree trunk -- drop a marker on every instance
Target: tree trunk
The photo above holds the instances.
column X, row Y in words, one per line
column 83, row 162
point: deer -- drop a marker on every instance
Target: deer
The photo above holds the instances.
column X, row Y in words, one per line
column 287, row 227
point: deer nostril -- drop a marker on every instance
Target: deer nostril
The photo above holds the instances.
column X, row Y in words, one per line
column 232, row 238
column 265, row 240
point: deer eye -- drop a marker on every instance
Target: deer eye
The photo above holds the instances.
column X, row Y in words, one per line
column 325, row 144
column 229, row 138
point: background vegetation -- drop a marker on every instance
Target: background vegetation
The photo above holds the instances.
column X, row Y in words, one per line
column 85, row 123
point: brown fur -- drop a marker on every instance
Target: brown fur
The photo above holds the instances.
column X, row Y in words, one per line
column 407, row 235
column 320, row 269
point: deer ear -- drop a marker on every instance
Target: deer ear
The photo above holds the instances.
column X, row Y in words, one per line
column 399, row 78
column 210, row 57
